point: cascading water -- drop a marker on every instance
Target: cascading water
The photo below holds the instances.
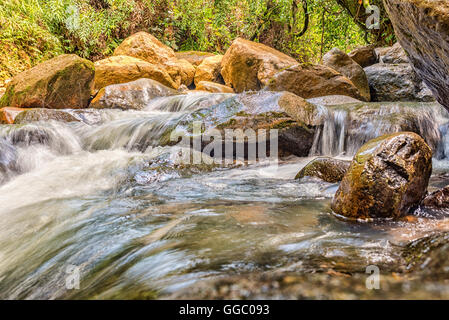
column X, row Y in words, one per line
column 93, row 196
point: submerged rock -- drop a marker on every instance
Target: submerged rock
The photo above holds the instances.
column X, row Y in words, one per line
column 387, row 177
column 398, row 82
column 8, row 160
column 438, row 199
column 422, row 28
column 333, row 100
column 340, row 61
column 213, row 87
column 41, row 114
column 209, row 70
column 7, row 114
column 364, row 56
column 325, row 168
column 60, row 83
column 132, row 95
column 194, row 57
column 122, row 69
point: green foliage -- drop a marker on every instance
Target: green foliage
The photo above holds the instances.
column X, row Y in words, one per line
column 35, row 30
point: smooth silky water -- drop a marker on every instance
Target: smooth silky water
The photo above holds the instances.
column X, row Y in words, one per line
column 105, row 198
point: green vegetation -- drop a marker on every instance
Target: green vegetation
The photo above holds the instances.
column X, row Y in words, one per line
column 36, row 30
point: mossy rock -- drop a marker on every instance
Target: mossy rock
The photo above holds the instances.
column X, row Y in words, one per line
column 60, row 83
column 325, row 168
column 387, row 177
column 40, row 114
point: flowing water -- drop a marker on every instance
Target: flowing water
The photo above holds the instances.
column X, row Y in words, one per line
column 103, row 198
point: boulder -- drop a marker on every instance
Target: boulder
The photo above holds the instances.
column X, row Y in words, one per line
column 132, row 95
column 209, row 70
column 248, row 65
column 392, row 55
column 364, row 56
column 41, row 114
column 340, row 61
column 310, row 81
column 438, row 199
column 422, row 29
column 293, row 117
column 387, row 177
column 59, row 83
column 145, row 46
column 194, row 57
column 122, row 69
column 7, row 114
column 325, row 168
column 187, row 72
column 389, row 82
column 213, row 87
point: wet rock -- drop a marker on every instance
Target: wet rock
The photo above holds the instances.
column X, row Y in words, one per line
column 209, row 70
column 60, row 83
column 333, row 100
column 364, row 56
column 145, row 46
column 428, row 256
column 41, row 114
column 387, row 177
column 325, row 168
column 422, row 28
column 399, row 82
column 213, row 87
column 248, row 65
column 8, row 160
column 122, row 69
column 340, row 61
column 7, row 115
column 438, row 199
column 310, row 81
column 132, row 95
column 294, row 118
column 392, row 55
column 194, row 57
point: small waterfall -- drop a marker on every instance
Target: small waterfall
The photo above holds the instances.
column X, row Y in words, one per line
column 346, row 128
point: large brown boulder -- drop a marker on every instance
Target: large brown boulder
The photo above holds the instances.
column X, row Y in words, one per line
column 122, row 69
column 209, row 70
column 340, row 61
column 387, row 177
column 132, row 95
column 310, row 81
column 438, row 199
column 59, row 83
column 194, row 57
column 248, row 65
column 422, row 28
column 145, row 46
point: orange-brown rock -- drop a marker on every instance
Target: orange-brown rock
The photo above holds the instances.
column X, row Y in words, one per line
column 387, row 177
column 8, row 114
column 248, row 65
column 213, row 87
column 145, row 46
column 194, row 57
column 187, row 72
column 364, row 56
column 122, row 69
column 209, row 70
column 310, row 81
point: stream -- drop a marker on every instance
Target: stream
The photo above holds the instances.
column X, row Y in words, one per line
column 102, row 196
